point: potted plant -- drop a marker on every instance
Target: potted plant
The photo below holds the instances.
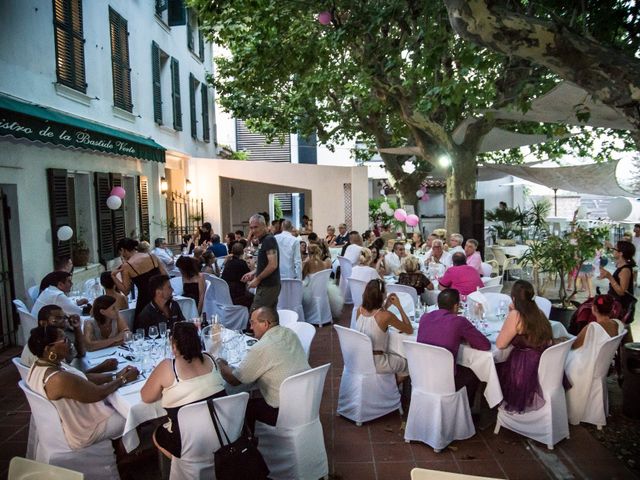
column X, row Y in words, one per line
column 81, row 253
column 505, row 221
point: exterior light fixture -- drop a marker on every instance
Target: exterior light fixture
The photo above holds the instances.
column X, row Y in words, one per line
column 164, row 186
column 188, row 187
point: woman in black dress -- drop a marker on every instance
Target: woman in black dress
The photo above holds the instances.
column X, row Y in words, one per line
column 621, row 281
column 193, row 282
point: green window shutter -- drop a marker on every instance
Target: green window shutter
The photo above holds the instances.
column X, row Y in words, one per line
column 161, row 6
column 106, row 247
column 177, row 13
column 69, row 44
column 192, row 106
column 143, row 207
column 157, row 91
column 189, row 31
column 117, row 216
column 175, row 94
column 120, row 61
column 58, row 210
column 200, row 45
column 205, row 113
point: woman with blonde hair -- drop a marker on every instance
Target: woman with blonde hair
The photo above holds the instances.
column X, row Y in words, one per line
column 411, row 276
column 314, row 264
column 363, row 271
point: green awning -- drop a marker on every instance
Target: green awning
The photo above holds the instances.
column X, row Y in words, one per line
column 26, row 120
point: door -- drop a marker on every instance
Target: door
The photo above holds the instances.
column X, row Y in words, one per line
column 8, row 322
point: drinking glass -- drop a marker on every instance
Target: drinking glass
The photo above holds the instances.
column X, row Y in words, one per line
column 153, row 333
column 140, row 331
column 162, row 328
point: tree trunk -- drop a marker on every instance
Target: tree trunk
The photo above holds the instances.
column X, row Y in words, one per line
column 461, row 185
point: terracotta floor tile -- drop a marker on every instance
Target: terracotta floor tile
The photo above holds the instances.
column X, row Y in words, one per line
column 425, row 453
column 482, row 468
column 387, row 429
column 351, row 452
column 609, row 470
column 524, row 470
column 469, row 450
column 355, row 471
column 392, row 452
column 394, row 470
column 439, row 466
column 505, row 449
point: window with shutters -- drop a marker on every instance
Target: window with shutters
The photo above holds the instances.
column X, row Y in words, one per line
column 162, row 10
column 161, row 84
column 143, row 207
column 204, row 93
column 175, row 94
column 121, row 72
column 69, row 43
column 194, row 86
column 195, row 38
column 59, row 210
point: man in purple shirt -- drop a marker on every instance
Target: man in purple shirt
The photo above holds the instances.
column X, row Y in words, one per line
column 445, row 328
column 461, row 276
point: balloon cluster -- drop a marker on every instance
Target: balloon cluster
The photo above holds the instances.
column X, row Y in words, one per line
column 401, row 216
column 116, row 196
column 422, row 194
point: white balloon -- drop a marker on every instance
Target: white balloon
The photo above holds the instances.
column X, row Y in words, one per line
column 114, row 202
column 383, row 192
column 384, row 206
column 64, row 233
column 619, row 209
column 419, row 193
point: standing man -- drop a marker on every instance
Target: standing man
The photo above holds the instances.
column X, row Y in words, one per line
column 266, row 276
column 289, row 247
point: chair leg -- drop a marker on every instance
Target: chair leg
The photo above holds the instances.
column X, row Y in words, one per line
column 599, row 427
column 358, row 424
column 497, row 429
column 437, row 450
column 549, row 446
column 401, row 410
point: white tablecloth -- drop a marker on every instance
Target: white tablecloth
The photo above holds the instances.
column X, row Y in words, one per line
column 516, row 250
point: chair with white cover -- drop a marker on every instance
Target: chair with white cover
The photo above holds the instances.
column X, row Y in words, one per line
column 294, row 448
column 287, row 317
column 491, row 289
column 23, row 370
column 487, row 269
column 234, row 317
column 345, row 274
column 364, row 394
column 357, row 288
column 19, row 304
column 23, row 469
column 493, row 301
column 317, row 309
column 198, row 436
column 492, row 282
column 290, row 297
column 428, row 474
column 408, row 305
column 305, row 332
column 32, row 442
column 438, row 414
column 397, row 288
column 548, row 424
column 176, row 284
column 128, row 315
column 27, row 323
column 33, row 293
column 96, row 461
column 544, row 304
column 587, row 369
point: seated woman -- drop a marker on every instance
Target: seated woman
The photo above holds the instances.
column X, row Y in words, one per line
column 192, row 376
column 210, row 264
column 411, row 275
column 122, row 303
column 331, row 235
column 314, row 264
column 235, row 268
column 377, row 255
column 621, row 280
column 417, row 243
column 581, row 360
column 363, row 271
column 528, row 330
column 107, row 327
column 79, row 399
column 193, row 282
column 374, row 321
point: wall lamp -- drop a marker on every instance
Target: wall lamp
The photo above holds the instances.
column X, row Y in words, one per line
column 188, row 187
column 164, row 186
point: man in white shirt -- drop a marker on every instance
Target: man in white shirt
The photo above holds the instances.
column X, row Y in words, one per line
column 438, row 257
column 455, row 243
column 289, row 249
column 58, row 287
column 393, row 260
column 165, row 256
column 352, row 252
column 277, row 356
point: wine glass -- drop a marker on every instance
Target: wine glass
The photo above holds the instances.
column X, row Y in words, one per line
column 153, row 333
column 162, row 328
column 127, row 339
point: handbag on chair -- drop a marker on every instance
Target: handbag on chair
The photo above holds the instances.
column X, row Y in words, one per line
column 238, row 460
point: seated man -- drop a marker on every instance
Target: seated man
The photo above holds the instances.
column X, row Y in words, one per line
column 343, row 236
column 278, row 355
column 57, row 287
column 473, row 255
column 162, row 308
column 218, row 248
column 52, row 315
column 60, row 264
column 461, row 276
column 165, row 256
column 445, row 328
column 438, row 257
column 393, row 260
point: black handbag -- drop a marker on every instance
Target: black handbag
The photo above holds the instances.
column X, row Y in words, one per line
column 239, row 460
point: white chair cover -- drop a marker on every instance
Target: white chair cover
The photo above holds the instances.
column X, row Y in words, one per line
column 27, row 323
column 97, row 461
column 397, row 288
column 364, row 394
column 492, row 282
column 23, row 370
column 491, row 289
column 33, row 293
column 408, row 305
column 345, row 274
column 316, row 302
column 543, row 304
column 491, row 301
column 218, row 300
column 438, row 414
column 357, row 290
column 176, row 284
column 291, row 296
column 198, row 436
column 287, row 317
column 305, row 332
column 23, row 469
column 20, row 304
column 548, row 424
column 587, row 368
column 128, row 315
column 294, row 449
column 487, row 269
column 558, row 330
column 32, row 442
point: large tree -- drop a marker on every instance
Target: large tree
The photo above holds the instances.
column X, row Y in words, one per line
column 388, row 73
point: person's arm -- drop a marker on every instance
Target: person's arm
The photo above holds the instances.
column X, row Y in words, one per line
column 108, row 365
column 272, row 265
column 227, row 372
column 76, row 324
column 123, row 282
column 250, row 369
column 202, row 286
column 445, row 281
column 161, row 267
column 389, row 319
column 426, row 282
column 509, row 330
column 74, row 387
column 619, row 287
column 67, row 305
column 159, row 379
column 473, row 336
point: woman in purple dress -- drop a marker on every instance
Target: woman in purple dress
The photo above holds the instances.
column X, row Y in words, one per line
column 528, row 331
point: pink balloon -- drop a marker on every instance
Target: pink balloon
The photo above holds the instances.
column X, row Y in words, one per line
column 425, row 197
column 412, row 220
column 118, row 192
column 400, row 215
column 324, row 18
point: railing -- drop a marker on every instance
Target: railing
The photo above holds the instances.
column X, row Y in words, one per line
column 184, row 215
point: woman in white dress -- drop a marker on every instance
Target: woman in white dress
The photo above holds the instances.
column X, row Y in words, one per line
column 363, row 271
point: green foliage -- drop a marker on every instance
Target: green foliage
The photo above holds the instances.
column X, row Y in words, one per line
column 240, row 155
column 277, row 209
column 505, row 220
column 377, row 214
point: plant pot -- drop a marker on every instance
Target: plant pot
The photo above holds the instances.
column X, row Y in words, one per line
column 561, row 314
column 81, row 257
column 506, row 242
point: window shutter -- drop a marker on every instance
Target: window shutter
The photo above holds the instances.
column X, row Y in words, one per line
column 192, row 106
column 161, row 6
column 175, row 94
column 119, row 230
column 69, row 43
column 189, row 31
column 200, row 44
column 59, row 210
column 120, row 61
column 157, row 91
column 177, row 13
column 143, row 207
column 205, row 113
column 106, row 248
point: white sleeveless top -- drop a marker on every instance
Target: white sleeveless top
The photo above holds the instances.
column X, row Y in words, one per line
column 184, row 392
column 369, row 326
column 82, row 423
